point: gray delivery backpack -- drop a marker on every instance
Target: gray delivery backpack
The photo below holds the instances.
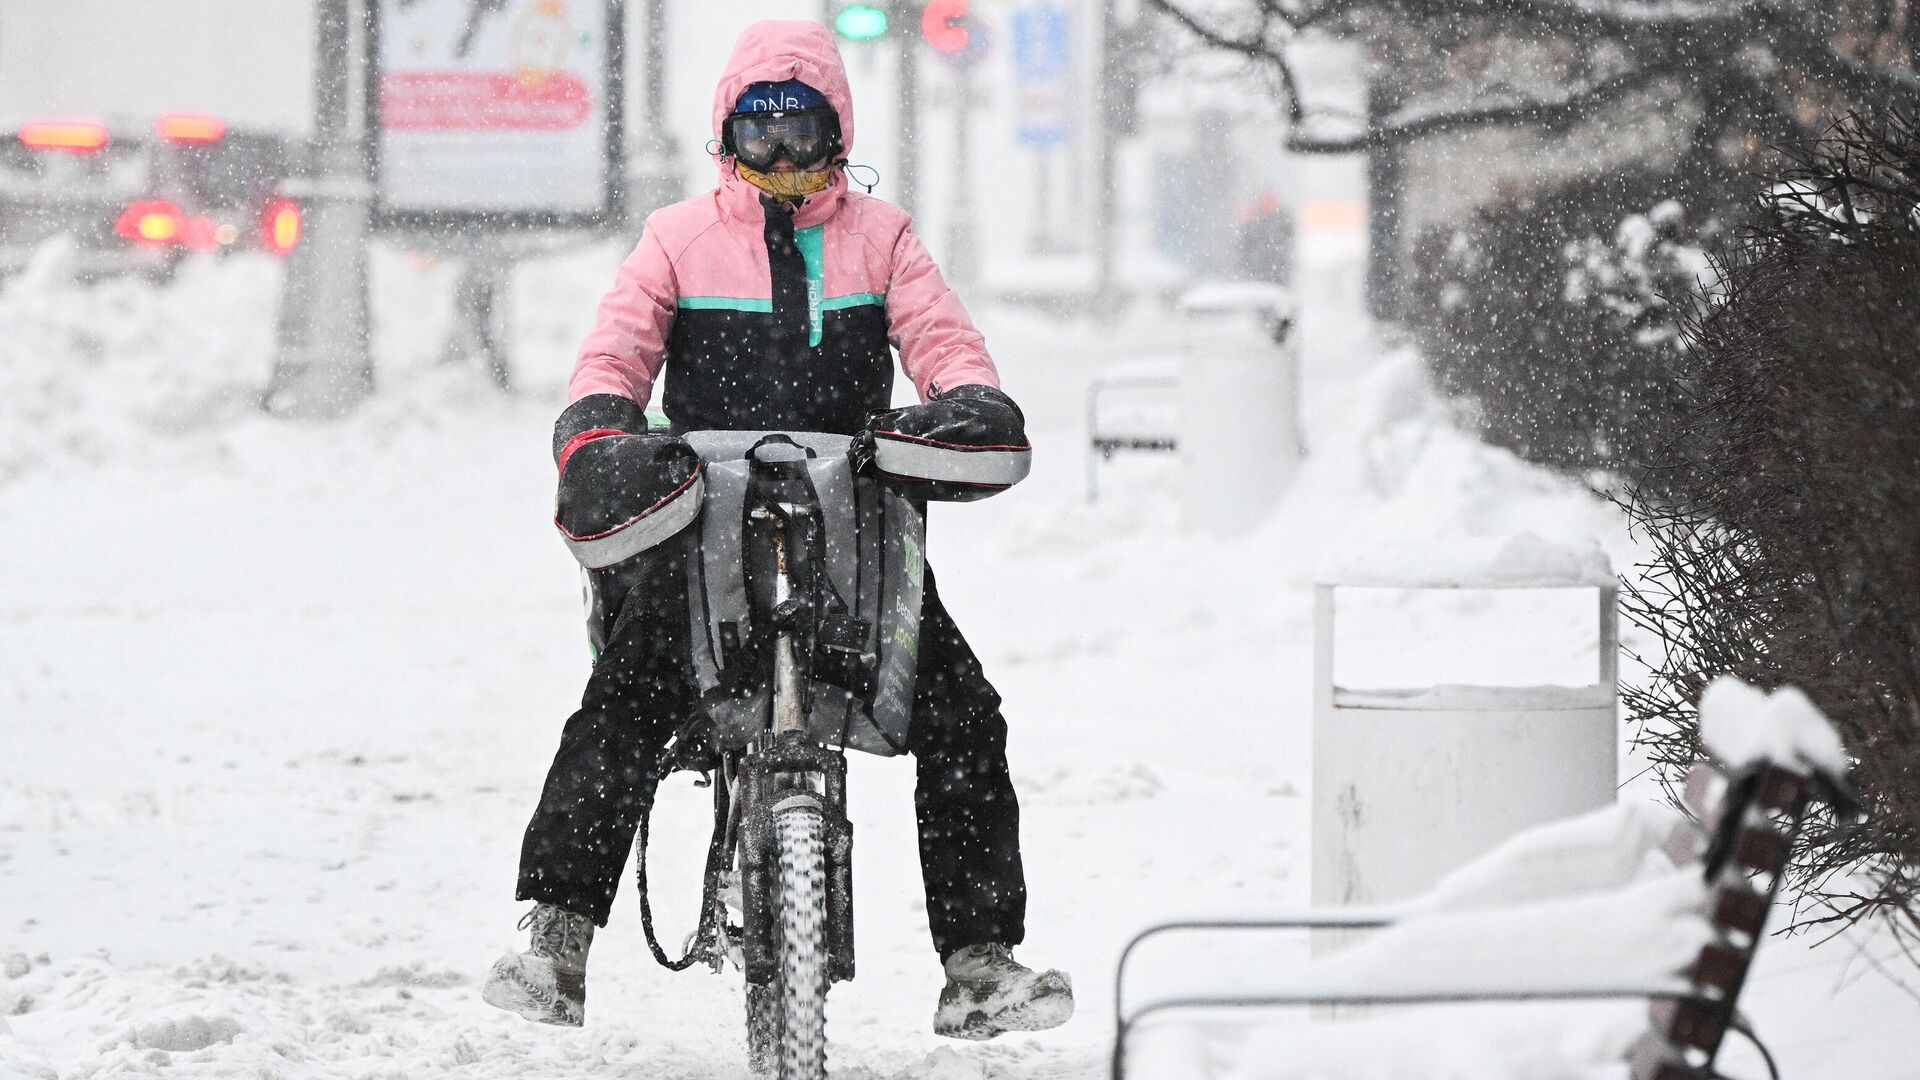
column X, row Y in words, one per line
column 856, row 575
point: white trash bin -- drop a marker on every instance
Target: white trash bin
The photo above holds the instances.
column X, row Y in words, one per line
column 1240, row 439
column 1411, row 782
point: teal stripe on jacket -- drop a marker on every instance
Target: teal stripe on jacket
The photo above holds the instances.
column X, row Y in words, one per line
column 741, row 303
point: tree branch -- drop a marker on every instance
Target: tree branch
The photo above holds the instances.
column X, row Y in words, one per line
column 1577, row 18
column 1255, row 47
column 1285, row 14
column 1259, row 49
column 1413, row 123
column 1686, row 38
column 1300, row 19
column 1794, row 39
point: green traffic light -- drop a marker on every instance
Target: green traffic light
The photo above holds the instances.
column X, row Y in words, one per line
column 860, row 22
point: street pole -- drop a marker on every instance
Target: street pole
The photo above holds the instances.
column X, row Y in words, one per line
column 904, row 18
column 1040, row 240
column 1106, row 100
column 1385, row 213
column 962, row 258
column 655, row 105
column 323, row 365
column 652, row 183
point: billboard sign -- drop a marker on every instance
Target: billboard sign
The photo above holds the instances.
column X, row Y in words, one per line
column 1040, row 67
column 497, row 112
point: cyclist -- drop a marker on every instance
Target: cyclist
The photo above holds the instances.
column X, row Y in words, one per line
column 770, row 303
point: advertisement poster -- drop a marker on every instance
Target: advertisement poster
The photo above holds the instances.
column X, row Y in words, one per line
column 502, row 110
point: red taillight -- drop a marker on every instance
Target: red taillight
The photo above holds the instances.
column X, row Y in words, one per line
column 150, row 221
column 280, row 225
column 73, row 136
column 185, row 128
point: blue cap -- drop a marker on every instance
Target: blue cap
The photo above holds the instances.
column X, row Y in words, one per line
column 784, row 96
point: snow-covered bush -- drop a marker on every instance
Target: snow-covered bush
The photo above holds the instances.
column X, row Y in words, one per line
column 1785, row 518
column 1630, row 277
column 1550, row 319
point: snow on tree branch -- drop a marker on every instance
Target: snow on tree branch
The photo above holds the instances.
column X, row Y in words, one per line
column 1416, row 121
column 1718, row 50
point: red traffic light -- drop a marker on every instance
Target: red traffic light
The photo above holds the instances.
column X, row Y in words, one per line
column 943, row 25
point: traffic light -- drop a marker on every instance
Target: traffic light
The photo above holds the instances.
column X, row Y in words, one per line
column 943, row 24
column 861, row 22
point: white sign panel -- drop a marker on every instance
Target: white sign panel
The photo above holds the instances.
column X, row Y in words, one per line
column 495, row 107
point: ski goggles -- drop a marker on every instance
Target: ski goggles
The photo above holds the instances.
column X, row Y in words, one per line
column 802, row 136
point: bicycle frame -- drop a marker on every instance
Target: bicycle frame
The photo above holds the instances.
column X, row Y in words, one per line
column 774, row 772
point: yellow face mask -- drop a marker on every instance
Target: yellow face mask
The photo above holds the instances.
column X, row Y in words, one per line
column 786, row 185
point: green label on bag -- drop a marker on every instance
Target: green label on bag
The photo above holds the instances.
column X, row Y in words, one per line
column 916, row 563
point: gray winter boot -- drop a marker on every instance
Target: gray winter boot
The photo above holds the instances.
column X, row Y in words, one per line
column 548, row 982
column 988, row 992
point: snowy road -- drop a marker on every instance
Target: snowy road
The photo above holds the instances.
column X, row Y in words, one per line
column 277, row 700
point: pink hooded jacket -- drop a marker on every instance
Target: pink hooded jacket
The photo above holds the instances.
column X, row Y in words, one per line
column 708, row 254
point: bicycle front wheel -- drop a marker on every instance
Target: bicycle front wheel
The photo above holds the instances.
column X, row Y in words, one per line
column 795, row 1005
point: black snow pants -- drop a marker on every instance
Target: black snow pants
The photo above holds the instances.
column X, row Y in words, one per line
column 602, row 778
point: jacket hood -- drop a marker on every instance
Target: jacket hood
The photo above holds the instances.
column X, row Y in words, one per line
column 773, row 51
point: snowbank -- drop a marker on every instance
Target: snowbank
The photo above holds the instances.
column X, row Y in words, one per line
column 91, row 372
column 1521, row 561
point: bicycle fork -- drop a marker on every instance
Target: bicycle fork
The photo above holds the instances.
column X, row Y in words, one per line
column 764, row 797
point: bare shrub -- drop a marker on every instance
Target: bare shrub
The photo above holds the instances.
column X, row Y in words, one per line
column 1784, row 516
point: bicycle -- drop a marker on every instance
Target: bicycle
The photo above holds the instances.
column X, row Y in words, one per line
column 781, row 853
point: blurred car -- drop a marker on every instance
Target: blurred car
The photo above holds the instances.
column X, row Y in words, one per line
column 140, row 199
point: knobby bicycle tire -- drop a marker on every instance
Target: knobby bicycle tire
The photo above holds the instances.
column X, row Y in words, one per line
column 800, row 917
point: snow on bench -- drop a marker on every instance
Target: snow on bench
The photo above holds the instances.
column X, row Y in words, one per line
column 1627, row 902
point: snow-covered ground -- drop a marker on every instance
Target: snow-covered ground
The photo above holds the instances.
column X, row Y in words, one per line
column 276, row 700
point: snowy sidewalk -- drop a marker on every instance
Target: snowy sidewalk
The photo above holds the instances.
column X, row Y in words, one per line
column 277, row 700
